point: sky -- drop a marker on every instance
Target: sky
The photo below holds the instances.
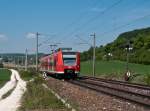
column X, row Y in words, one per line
column 67, row 23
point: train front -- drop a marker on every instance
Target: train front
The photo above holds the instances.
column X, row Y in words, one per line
column 70, row 62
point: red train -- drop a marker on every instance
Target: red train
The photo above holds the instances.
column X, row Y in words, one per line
column 63, row 62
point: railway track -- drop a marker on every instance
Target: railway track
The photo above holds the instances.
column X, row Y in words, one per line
column 140, row 86
column 133, row 92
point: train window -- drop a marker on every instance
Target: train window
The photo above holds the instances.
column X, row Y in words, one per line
column 69, row 61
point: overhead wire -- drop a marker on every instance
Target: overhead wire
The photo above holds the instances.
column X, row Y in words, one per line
column 124, row 25
column 95, row 17
column 78, row 19
column 138, row 19
column 47, row 40
column 142, row 2
column 85, row 41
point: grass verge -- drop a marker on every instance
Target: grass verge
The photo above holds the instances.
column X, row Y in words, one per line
column 38, row 97
column 4, row 76
column 27, row 75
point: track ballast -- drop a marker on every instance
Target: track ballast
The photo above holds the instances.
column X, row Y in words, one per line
column 133, row 92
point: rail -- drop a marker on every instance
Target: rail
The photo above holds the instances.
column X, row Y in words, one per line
column 133, row 92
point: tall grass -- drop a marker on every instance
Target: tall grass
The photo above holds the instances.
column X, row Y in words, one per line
column 37, row 97
column 27, row 75
column 147, row 79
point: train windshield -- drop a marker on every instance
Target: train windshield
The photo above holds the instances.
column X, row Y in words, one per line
column 69, row 60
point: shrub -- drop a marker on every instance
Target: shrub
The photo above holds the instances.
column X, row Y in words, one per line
column 1, row 65
column 28, row 74
column 147, row 79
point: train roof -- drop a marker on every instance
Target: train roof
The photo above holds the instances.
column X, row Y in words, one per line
column 66, row 51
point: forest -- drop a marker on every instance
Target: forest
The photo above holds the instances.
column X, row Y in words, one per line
column 135, row 44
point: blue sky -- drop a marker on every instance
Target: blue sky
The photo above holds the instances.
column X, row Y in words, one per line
column 69, row 22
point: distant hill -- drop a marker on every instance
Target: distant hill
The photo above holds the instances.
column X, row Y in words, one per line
column 19, row 58
column 138, row 40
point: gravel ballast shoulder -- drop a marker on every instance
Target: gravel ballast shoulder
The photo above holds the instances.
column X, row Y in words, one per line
column 86, row 100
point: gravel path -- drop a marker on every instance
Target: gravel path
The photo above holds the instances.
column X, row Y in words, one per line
column 12, row 102
column 87, row 100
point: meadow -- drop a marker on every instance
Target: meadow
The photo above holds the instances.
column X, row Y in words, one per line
column 117, row 69
column 4, row 76
column 107, row 67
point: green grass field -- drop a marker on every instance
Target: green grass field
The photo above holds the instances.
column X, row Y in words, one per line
column 109, row 67
column 116, row 70
column 4, row 76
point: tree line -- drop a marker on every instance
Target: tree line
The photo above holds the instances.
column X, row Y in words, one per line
column 137, row 41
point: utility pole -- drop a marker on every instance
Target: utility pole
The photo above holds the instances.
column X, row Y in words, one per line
column 18, row 61
column 37, row 34
column 26, row 60
column 14, row 60
column 22, row 61
column 128, row 47
column 128, row 73
column 93, row 35
column 127, row 65
column 127, row 56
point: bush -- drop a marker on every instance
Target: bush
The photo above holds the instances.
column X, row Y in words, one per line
column 147, row 79
column 39, row 80
column 28, row 74
column 1, row 65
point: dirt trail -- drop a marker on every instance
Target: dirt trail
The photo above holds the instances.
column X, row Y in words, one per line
column 12, row 102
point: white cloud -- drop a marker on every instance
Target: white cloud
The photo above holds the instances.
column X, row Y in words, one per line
column 3, row 37
column 31, row 35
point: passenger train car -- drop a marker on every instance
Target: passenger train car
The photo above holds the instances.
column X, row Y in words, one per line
column 62, row 62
